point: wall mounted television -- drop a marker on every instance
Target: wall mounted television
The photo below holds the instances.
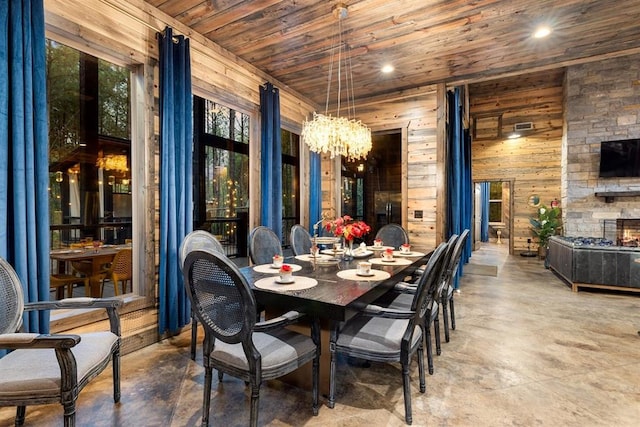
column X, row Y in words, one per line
column 620, row 158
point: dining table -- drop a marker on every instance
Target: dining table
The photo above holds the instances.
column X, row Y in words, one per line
column 329, row 288
column 95, row 257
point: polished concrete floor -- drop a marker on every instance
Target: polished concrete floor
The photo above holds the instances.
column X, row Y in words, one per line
column 526, row 352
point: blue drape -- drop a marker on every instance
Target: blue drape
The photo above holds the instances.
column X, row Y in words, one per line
column 315, row 189
column 176, row 192
column 460, row 187
column 484, row 211
column 24, row 152
column 271, row 159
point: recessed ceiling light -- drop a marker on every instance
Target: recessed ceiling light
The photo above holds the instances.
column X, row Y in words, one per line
column 387, row 68
column 542, row 32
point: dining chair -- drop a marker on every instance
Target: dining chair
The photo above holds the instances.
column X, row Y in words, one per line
column 263, row 245
column 120, row 271
column 197, row 240
column 392, row 235
column 64, row 282
column 448, row 291
column 384, row 334
column 300, row 240
column 234, row 342
column 403, row 300
column 52, row 368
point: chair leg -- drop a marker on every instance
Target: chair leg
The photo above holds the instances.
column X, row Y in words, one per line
column 116, row 376
column 255, row 401
column 445, row 318
column 69, row 413
column 453, row 313
column 436, row 331
column 194, row 335
column 427, row 334
column 20, row 414
column 407, row 393
column 423, row 385
column 332, row 379
column 206, row 401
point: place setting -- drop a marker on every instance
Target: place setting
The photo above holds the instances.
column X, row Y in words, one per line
column 387, row 258
column 286, row 281
column 405, row 250
column 378, row 245
column 275, row 266
column 363, row 272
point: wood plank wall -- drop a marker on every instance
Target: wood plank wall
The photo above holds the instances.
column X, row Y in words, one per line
column 413, row 112
column 534, row 160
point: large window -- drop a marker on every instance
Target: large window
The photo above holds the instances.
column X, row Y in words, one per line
column 495, row 201
column 290, row 185
column 89, row 162
column 222, row 173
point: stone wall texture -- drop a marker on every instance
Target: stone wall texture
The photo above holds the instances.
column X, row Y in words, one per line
column 602, row 103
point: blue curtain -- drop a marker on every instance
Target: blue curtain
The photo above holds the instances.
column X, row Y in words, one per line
column 176, row 192
column 484, row 211
column 24, row 152
column 271, row 159
column 460, row 187
column 315, row 190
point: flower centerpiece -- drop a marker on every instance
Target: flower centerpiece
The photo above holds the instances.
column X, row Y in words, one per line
column 547, row 224
column 347, row 228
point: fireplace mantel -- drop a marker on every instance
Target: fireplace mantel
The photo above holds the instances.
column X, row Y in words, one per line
column 610, row 195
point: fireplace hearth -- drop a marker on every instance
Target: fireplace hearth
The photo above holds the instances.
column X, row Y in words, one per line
column 628, row 232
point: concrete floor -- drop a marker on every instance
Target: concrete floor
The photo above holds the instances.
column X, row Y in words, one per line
column 527, row 351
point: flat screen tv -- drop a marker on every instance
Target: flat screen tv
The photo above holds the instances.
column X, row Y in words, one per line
column 620, row 158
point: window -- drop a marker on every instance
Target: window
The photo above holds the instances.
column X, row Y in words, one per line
column 89, row 160
column 221, row 173
column 495, row 201
column 290, row 185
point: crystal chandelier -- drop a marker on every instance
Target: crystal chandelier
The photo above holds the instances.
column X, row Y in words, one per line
column 338, row 136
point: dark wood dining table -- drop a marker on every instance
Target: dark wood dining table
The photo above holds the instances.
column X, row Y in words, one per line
column 97, row 257
column 332, row 300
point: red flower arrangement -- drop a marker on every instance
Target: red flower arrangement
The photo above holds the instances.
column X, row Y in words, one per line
column 346, row 227
column 286, row 268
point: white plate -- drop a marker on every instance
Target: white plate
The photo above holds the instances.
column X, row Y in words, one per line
column 388, row 260
column 362, row 254
column 380, row 248
column 366, row 275
column 285, row 282
column 331, row 251
column 275, row 266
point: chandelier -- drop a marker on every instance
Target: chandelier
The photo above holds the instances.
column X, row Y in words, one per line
column 338, row 136
column 113, row 162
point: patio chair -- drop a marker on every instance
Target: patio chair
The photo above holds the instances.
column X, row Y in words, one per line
column 300, row 240
column 263, row 245
column 384, row 334
column 197, row 240
column 234, row 342
column 43, row 368
column 120, row 270
column 392, row 235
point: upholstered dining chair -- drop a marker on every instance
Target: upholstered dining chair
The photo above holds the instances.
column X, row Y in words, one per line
column 234, row 342
column 404, row 298
column 263, row 245
column 384, row 334
column 300, row 240
column 448, row 291
column 43, row 368
column 197, row 240
column 392, row 235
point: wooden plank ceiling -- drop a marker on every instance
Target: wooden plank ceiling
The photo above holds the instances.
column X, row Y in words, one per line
column 427, row 41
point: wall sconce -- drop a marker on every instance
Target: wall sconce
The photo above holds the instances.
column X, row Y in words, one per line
column 59, row 176
column 111, row 180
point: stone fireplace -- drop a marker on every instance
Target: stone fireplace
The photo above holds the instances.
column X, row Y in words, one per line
column 628, row 232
